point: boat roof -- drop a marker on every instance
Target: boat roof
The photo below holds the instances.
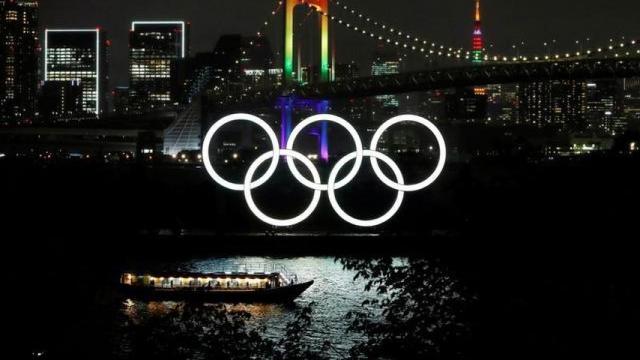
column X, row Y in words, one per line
column 223, row 274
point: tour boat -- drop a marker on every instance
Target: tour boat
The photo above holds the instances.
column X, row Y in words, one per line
column 262, row 284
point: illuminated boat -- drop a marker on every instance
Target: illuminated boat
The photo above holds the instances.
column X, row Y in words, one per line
column 262, row 284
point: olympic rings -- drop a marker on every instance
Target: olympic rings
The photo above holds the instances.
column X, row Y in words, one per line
column 332, row 185
column 348, row 218
column 269, row 220
column 224, row 121
column 340, row 121
column 441, row 145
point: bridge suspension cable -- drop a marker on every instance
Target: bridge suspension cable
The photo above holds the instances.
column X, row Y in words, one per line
column 427, row 52
column 402, row 39
column 394, row 36
column 276, row 10
column 624, row 48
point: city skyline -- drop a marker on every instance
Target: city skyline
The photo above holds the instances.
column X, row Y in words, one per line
column 504, row 23
column 320, row 179
column 169, row 79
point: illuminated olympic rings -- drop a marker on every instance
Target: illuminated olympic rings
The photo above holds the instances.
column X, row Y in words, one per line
column 333, row 183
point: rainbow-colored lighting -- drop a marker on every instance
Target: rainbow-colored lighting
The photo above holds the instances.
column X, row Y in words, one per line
column 478, row 42
column 323, row 7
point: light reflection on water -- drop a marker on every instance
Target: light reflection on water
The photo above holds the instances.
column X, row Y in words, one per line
column 334, row 293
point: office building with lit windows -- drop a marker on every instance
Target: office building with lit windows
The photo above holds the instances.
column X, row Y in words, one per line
column 386, row 62
column 558, row 103
column 19, row 51
column 76, row 57
column 155, row 48
column 631, row 100
column 605, row 106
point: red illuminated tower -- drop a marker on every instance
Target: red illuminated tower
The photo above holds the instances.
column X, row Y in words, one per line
column 478, row 42
column 477, row 50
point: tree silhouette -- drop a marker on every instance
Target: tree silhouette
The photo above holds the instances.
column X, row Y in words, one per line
column 418, row 314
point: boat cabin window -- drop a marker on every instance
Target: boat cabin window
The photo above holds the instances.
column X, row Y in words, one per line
column 211, row 282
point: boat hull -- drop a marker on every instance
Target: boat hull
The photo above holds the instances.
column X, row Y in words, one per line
column 283, row 294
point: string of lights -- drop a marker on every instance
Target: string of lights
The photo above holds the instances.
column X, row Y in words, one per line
column 263, row 27
column 401, row 39
column 623, row 48
column 394, row 41
column 393, row 36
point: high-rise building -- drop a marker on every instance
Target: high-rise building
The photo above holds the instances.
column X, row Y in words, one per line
column 154, row 50
column 605, row 106
column 195, row 74
column 61, row 101
column 558, row 103
column 502, row 104
column 631, row 94
column 77, row 57
column 244, row 61
column 386, row 62
column 19, row 50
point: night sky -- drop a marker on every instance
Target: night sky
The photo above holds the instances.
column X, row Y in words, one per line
column 449, row 22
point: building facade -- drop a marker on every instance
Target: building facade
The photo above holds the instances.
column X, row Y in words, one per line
column 19, row 51
column 502, row 104
column 605, row 106
column 76, row 57
column 631, row 102
column 61, row 101
column 386, row 62
column 559, row 103
column 155, row 47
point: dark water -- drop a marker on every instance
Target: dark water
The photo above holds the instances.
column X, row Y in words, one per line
column 334, row 293
column 548, row 248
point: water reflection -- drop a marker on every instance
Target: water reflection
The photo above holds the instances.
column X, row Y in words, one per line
column 429, row 295
column 334, row 293
column 138, row 311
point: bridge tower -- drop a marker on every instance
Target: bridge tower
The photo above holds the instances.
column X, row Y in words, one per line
column 478, row 40
column 321, row 6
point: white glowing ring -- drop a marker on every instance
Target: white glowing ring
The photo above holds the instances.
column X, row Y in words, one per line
column 267, row 219
column 441, row 161
column 350, row 219
column 237, row 117
column 356, row 139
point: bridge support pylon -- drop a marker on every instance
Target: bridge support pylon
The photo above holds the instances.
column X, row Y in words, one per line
column 288, row 106
column 323, row 7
